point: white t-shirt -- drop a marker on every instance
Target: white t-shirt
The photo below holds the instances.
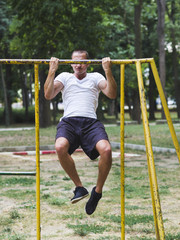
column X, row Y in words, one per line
column 80, row 97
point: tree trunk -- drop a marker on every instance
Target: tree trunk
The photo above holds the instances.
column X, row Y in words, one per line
column 99, row 112
column 161, row 4
column 136, row 112
column 7, row 119
column 111, row 107
column 175, row 65
column 137, row 27
column 151, row 95
column 25, row 94
column 44, row 105
column 176, row 80
column 30, row 89
column 8, row 90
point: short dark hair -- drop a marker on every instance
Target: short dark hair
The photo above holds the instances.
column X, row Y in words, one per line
column 81, row 51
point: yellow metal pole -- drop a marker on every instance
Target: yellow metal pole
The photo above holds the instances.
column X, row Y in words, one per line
column 70, row 61
column 122, row 156
column 36, row 67
column 149, row 151
column 166, row 110
column 152, row 194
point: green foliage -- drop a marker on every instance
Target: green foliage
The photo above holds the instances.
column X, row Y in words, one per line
column 56, row 28
column 20, row 116
column 104, row 28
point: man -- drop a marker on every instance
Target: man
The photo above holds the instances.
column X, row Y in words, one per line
column 79, row 125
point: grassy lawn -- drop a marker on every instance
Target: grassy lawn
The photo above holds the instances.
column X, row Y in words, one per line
column 160, row 135
column 62, row 220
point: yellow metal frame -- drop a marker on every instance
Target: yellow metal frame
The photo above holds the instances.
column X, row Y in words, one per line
column 38, row 227
column 158, row 221
column 122, row 68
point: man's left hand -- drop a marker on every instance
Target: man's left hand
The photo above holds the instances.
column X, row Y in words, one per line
column 106, row 63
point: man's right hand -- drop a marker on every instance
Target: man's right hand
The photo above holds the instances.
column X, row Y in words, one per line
column 53, row 64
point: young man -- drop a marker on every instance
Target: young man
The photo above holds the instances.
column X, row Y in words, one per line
column 79, row 125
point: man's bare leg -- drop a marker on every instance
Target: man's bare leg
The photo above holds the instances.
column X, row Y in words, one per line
column 62, row 146
column 105, row 162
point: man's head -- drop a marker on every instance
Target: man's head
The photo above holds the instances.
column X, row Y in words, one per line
column 80, row 51
column 80, row 69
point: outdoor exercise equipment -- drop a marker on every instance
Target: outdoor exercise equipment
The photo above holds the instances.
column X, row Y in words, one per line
column 19, row 173
column 159, row 228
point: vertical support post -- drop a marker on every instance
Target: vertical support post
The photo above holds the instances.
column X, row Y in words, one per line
column 152, row 195
column 38, row 230
column 150, row 158
column 166, row 110
column 122, row 155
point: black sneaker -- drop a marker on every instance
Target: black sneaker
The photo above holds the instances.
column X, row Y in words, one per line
column 79, row 193
column 93, row 201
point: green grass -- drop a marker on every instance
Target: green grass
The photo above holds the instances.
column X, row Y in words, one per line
column 10, row 181
column 136, row 219
column 7, row 222
column 108, row 238
column 142, row 238
column 131, row 220
column 173, row 236
column 17, row 237
column 73, row 216
column 160, row 135
column 31, row 205
column 19, row 194
column 56, row 201
column 85, row 229
column 14, row 214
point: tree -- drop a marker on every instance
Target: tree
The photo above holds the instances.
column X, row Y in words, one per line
column 149, row 49
column 120, row 29
column 173, row 8
column 4, row 44
column 161, row 4
column 136, row 113
column 55, row 28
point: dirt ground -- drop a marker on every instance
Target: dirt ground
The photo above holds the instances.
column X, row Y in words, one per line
column 60, row 218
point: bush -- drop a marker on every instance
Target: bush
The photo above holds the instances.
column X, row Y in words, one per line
column 2, row 115
column 19, row 115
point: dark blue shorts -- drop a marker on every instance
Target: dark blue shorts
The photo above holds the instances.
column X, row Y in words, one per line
column 84, row 132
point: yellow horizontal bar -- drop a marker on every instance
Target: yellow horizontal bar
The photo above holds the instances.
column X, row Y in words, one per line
column 70, row 61
column 19, row 173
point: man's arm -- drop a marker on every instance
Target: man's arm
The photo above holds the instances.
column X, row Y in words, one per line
column 51, row 87
column 109, row 87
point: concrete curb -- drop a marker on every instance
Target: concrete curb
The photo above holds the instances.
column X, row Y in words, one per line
column 142, row 147
column 25, row 148
column 113, row 144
